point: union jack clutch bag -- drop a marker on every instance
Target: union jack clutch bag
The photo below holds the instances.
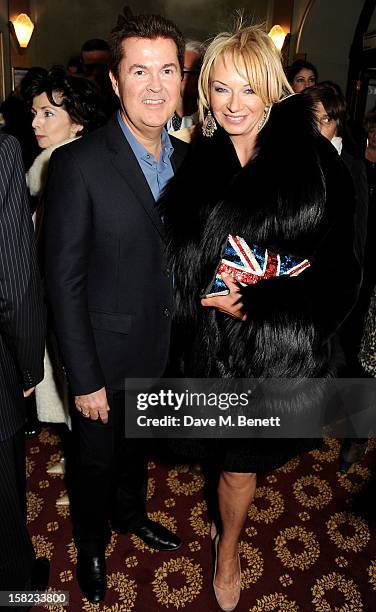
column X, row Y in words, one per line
column 248, row 264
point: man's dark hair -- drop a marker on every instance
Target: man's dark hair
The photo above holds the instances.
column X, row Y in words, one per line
column 144, row 26
column 95, row 44
column 78, row 96
column 332, row 99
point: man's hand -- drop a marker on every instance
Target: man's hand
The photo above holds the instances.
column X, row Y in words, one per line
column 230, row 304
column 29, row 392
column 93, row 405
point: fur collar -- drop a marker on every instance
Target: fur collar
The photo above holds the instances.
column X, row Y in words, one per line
column 277, row 197
column 36, row 176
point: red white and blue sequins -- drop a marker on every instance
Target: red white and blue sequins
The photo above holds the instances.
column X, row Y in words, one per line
column 248, row 264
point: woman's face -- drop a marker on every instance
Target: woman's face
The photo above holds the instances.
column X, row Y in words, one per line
column 326, row 125
column 234, row 104
column 305, row 78
column 51, row 124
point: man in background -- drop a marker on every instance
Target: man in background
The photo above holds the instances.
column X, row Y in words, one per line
column 95, row 51
column 95, row 62
column 185, row 115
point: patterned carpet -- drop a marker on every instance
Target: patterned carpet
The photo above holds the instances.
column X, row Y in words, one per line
column 309, row 543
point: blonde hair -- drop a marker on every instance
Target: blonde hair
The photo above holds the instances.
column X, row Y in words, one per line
column 253, row 51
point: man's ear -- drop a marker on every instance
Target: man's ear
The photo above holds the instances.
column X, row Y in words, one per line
column 114, row 83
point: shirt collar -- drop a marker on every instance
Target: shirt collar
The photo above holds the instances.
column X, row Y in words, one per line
column 139, row 150
column 166, row 146
column 337, row 143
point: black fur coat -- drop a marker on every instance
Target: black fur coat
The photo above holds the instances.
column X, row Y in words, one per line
column 295, row 196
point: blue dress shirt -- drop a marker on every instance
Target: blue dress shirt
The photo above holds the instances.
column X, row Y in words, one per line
column 157, row 172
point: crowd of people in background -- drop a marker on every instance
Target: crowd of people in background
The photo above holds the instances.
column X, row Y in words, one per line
column 115, row 136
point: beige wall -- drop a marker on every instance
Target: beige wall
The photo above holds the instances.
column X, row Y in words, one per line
column 63, row 25
column 327, row 35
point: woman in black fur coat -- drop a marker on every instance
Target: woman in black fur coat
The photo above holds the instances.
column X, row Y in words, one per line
column 260, row 171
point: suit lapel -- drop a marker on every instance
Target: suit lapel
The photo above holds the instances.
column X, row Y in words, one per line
column 180, row 151
column 128, row 167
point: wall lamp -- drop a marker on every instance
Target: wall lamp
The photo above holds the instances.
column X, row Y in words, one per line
column 23, row 27
column 278, row 35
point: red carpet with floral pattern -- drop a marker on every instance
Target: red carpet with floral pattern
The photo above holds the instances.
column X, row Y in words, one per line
column 309, row 543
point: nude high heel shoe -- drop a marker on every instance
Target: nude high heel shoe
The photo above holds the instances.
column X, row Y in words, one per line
column 227, row 598
column 213, row 531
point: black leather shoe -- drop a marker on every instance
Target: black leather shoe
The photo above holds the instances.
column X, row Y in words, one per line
column 91, row 576
column 40, row 574
column 32, row 428
column 156, row 536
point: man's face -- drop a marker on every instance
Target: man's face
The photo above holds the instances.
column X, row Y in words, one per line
column 189, row 85
column 326, row 125
column 148, row 84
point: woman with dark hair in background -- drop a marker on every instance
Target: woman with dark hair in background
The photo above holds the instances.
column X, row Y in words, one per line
column 301, row 74
column 64, row 107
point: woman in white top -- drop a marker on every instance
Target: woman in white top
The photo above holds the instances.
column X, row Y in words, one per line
column 64, row 107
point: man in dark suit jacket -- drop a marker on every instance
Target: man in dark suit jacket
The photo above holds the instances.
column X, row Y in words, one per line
column 109, row 285
column 21, row 361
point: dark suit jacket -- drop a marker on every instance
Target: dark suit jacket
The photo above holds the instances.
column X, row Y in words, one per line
column 352, row 330
column 21, row 303
column 107, row 277
column 357, row 170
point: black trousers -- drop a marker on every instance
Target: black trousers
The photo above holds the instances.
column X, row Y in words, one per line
column 108, row 475
column 16, row 551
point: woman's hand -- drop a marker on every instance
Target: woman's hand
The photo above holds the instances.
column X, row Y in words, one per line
column 230, row 304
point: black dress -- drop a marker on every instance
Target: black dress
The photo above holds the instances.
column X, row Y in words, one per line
column 295, row 196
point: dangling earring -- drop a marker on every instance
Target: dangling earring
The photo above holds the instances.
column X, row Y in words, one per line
column 209, row 126
column 265, row 117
